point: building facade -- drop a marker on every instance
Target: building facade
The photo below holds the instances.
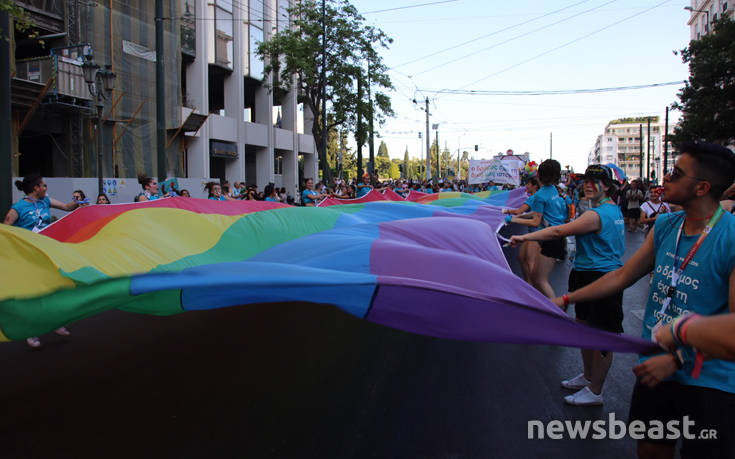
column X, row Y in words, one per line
column 624, row 140
column 223, row 120
column 706, row 12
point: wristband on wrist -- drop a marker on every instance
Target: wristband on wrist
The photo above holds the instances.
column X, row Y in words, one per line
column 675, row 329
column 565, row 298
column 684, row 326
column 508, row 218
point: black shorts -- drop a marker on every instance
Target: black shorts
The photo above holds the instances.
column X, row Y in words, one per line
column 634, row 213
column 555, row 248
column 605, row 313
column 709, row 409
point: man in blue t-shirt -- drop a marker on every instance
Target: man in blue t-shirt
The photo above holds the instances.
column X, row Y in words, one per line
column 692, row 256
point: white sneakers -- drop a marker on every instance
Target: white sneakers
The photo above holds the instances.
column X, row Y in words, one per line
column 576, row 382
column 34, row 343
column 584, row 397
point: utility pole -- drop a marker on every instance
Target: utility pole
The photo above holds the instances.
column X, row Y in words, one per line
column 325, row 167
column 6, row 156
column 428, row 146
column 640, row 148
column 648, row 148
column 421, row 163
column 359, row 134
column 438, row 156
column 666, row 145
column 160, row 95
column 551, row 143
column 341, row 153
column 370, row 123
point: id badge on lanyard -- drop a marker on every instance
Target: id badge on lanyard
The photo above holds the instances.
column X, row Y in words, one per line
column 676, row 273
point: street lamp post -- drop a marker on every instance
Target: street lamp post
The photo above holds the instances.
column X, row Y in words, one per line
column 690, row 9
column 100, row 82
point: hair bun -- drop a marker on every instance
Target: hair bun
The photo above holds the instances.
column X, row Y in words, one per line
column 19, row 185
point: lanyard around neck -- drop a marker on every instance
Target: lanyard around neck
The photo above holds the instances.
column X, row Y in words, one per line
column 676, row 273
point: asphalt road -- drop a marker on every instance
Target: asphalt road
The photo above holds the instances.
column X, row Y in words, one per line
column 295, row 381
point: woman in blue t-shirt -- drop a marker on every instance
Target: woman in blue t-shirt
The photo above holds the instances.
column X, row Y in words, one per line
column 214, row 191
column 548, row 208
column 33, row 212
column 309, row 197
column 150, row 189
column 529, row 250
column 270, row 193
column 600, row 235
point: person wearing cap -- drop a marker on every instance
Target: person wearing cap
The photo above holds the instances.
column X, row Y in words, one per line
column 548, row 208
column 692, row 256
column 600, row 238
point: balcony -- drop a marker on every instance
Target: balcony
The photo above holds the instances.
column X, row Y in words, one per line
column 66, row 75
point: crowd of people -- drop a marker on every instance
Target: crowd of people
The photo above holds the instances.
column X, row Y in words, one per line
column 688, row 252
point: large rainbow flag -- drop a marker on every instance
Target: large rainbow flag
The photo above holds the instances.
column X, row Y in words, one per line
column 432, row 265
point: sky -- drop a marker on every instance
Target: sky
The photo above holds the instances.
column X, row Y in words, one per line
column 526, row 45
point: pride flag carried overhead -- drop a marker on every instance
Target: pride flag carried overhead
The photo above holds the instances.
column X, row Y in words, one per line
column 433, row 267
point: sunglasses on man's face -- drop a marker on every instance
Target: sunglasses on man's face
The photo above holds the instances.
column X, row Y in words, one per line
column 675, row 173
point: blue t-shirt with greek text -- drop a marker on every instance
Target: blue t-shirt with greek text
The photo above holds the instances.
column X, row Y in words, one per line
column 702, row 288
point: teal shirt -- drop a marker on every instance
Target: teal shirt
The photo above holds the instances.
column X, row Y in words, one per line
column 363, row 190
column 33, row 215
column 306, row 196
column 550, row 205
column 703, row 288
column 602, row 251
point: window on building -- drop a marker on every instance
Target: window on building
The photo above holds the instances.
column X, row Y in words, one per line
column 223, row 46
column 283, row 20
column 278, row 164
column 255, row 36
column 188, row 27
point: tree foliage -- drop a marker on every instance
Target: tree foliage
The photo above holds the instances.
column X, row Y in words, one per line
column 707, row 101
column 351, row 57
column 19, row 18
column 383, row 150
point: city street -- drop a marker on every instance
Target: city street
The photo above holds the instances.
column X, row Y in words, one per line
column 295, row 381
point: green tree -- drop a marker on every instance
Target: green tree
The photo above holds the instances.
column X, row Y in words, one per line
column 406, row 165
column 394, row 172
column 382, row 165
column 433, row 160
column 351, row 54
column 18, row 18
column 383, row 150
column 447, row 162
column 706, row 101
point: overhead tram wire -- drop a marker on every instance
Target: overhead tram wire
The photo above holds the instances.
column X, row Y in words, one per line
column 566, row 44
column 523, row 35
column 409, row 6
column 480, row 92
column 487, row 35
